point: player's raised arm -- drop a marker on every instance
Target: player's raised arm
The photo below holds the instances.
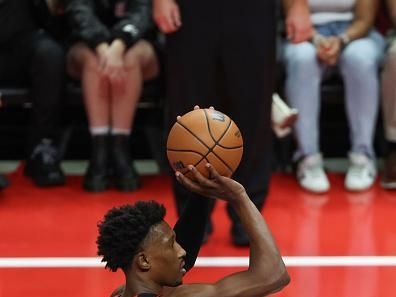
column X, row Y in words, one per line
column 267, row 272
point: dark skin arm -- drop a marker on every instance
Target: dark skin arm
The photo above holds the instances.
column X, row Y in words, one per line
column 266, row 273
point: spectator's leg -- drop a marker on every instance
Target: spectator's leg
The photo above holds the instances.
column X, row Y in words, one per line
column 389, row 93
column 359, row 63
column 140, row 64
column 83, row 64
column 304, row 74
column 389, row 115
column 47, row 86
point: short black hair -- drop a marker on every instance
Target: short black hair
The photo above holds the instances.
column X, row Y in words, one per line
column 123, row 229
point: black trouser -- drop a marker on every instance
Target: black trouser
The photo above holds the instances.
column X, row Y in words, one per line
column 36, row 61
column 224, row 56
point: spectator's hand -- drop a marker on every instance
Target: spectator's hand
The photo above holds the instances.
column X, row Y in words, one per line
column 101, row 52
column 113, row 66
column 298, row 23
column 217, row 186
column 166, row 15
column 329, row 50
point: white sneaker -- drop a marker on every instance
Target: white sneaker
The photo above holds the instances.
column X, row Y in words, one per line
column 311, row 175
column 361, row 172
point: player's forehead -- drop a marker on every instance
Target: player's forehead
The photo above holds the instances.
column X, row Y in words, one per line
column 161, row 232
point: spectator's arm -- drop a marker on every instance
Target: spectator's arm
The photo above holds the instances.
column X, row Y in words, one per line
column 136, row 22
column 365, row 12
column 84, row 24
column 391, row 4
column 298, row 20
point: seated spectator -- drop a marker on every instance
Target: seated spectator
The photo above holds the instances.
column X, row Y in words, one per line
column 112, row 57
column 343, row 37
column 388, row 103
column 30, row 56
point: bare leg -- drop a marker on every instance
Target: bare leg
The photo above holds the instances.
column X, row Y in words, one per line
column 83, row 64
column 140, row 64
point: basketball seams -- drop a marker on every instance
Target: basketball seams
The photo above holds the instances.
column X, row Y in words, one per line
column 230, row 148
column 193, row 134
column 186, row 151
column 224, row 162
column 210, row 149
column 210, row 131
column 217, row 141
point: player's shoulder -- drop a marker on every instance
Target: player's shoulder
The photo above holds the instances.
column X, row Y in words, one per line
column 190, row 290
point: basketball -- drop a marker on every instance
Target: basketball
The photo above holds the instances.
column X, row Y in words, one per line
column 205, row 136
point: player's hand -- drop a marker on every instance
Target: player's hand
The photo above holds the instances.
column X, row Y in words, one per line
column 298, row 23
column 166, row 15
column 218, row 187
column 195, row 108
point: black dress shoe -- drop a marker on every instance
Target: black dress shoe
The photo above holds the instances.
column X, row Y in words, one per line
column 43, row 165
column 96, row 178
column 124, row 175
column 239, row 235
column 3, row 182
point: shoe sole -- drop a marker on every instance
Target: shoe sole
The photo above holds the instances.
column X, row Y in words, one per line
column 127, row 186
column 44, row 183
column 388, row 185
column 96, row 187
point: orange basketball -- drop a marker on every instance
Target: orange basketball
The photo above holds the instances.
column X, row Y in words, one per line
column 205, row 136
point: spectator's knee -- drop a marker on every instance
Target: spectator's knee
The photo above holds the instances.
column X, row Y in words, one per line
column 48, row 51
column 360, row 59
column 133, row 62
column 300, row 58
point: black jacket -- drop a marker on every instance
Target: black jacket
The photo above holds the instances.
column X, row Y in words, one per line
column 97, row 21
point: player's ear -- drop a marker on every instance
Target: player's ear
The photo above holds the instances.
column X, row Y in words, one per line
column 142, row 261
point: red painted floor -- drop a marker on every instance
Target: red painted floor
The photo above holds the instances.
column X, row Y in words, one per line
column 61, row 222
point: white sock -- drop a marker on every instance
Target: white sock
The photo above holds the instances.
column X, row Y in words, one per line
column 99, row 130
column 120, row 131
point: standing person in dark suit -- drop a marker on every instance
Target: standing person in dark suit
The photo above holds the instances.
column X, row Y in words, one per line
column 222, row 53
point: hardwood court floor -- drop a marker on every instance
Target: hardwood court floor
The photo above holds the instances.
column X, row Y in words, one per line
column 336, row 245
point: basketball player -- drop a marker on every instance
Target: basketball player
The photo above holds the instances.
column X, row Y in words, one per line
column 137, row 240
column 222, row 53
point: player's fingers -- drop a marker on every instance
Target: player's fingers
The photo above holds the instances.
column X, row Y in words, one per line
column 191, row 185
column 213, row 173
column 186, row 182
column 203, row 181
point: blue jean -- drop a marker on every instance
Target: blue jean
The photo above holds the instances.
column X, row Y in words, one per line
column 358, row 65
